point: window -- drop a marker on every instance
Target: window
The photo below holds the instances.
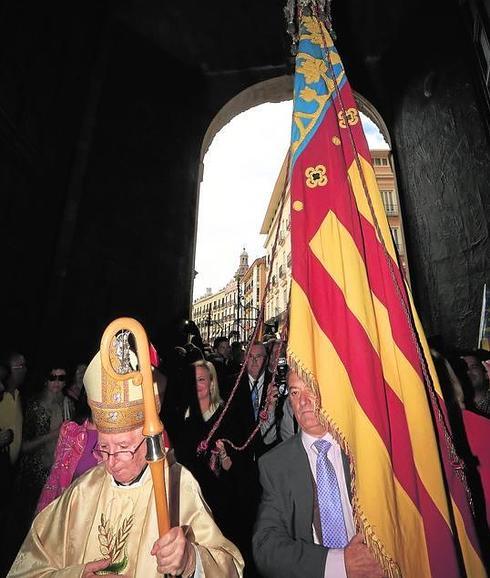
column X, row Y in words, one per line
column 389, row 202
column 387, row 197
column 395, row 232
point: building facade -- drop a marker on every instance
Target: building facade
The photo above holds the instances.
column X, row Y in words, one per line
column 252, row 290
column 233, row 310
column 276, row 226
column 208, row 313
column 278, row 260
column 385, row 177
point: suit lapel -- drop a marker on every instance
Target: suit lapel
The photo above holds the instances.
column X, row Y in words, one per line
column 301, row 483
column 263, row 397
column 247, row 397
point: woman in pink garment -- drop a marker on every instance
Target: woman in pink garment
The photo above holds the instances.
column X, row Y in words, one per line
column 77, row 439
column 73, row 455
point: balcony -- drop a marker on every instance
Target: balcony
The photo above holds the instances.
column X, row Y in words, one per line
column 282, row 238
column 391, row 209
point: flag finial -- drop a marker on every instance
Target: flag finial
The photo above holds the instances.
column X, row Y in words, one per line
column 295, row 9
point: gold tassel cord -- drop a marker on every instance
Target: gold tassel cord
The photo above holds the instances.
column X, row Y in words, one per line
column 376, row 547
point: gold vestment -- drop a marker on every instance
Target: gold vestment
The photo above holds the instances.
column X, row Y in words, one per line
column 95, row 518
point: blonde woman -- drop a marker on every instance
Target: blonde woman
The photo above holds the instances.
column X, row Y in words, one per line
column 230, row 487
column 204, row 409
column 210, row 402
column 207, row 388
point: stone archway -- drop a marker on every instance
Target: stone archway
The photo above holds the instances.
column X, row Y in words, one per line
column 274, row 90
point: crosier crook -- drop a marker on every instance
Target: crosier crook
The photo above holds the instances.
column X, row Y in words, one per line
column 153, row 427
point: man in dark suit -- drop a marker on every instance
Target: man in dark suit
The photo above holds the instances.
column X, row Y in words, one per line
column 304, row 528
column 251, row 399
column 247, row 403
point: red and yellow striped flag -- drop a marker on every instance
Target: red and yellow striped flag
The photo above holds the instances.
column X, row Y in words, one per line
column 355, row 336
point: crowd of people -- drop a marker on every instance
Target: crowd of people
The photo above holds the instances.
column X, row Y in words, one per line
column 225, row 408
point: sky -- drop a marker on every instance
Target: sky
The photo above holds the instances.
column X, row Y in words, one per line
column 240, row 170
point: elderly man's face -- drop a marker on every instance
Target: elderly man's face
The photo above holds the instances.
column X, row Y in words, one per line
column 124, row 468
column 303, row 404
column 255, row 361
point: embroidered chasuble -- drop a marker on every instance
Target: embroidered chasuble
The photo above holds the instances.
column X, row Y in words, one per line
column 94, row 519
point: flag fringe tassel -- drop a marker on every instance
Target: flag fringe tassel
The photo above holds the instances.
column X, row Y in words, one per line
column 390, row 568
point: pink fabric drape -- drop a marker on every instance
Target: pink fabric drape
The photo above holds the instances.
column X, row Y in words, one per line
column 70, row 446
column 477, row 430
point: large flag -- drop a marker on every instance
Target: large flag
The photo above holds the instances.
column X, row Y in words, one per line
column 356, row 338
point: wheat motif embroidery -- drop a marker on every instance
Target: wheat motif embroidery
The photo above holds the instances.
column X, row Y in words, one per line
column 113, row 544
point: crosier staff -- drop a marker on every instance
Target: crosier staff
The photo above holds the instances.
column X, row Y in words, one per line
column 153, row 427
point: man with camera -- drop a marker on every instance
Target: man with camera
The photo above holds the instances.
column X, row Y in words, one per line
column 284, row 421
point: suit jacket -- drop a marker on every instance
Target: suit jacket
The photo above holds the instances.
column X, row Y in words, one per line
column 283, row 538
column 244, row 410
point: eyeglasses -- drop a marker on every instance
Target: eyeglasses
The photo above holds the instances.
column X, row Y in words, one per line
column 256, row 357
column 123, row 455
column 55, row 377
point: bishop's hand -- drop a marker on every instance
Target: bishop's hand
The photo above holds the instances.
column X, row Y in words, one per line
column 92, row 567
column 175, row 554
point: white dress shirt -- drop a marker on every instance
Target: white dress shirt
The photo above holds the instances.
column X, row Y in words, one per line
column 334, row 567
column 260, row 384
column 268, row 426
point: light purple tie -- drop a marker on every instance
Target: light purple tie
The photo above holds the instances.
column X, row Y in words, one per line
column 334, row 533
